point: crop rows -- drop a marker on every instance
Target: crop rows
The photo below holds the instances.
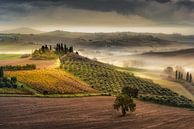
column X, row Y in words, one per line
column 107, row 79
column 51, row 81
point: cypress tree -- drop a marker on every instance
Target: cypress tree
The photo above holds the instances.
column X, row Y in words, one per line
column 190, row 78
column 179, row 76
column 50, row 48
column 65, row 49
column 187, row 76
column 176, row 75
column 46, row 48
column 1, row 72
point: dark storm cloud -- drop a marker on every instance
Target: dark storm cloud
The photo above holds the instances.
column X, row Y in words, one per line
column 160, row 11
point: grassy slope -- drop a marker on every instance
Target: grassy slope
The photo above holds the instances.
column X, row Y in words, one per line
column 9, row 56
column 165, row 83
column 52, row 80
column 107, row 78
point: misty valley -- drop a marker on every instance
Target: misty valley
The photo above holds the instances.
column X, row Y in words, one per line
column 96, row 64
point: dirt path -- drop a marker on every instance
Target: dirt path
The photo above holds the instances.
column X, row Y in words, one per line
column 88, row 113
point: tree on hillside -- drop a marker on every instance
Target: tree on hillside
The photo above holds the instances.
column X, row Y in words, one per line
column 176, row 75
column 1, row 72
column 131, row 92
column 71, row 49
column 50, row 48
column 187, row 76
column 181, row 76
column 125, row 103
column 169, row 71
column 190, row 78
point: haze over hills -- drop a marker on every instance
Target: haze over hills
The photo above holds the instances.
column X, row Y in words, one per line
column 176, row 53
column 22, row 30
column 96, row 40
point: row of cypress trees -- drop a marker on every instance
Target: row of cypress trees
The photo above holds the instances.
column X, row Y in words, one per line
column 179, row 76
column 60, row 48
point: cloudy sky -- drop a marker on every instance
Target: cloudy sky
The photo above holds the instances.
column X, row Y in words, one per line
column 166, row 16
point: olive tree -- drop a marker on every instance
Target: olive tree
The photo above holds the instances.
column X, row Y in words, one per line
column 125, row 103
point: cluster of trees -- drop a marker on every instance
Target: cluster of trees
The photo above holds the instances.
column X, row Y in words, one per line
column 47, row 52
column 124, row 101
column 63, row 49
column 6, row 82
column 45, row 48
column 19, row 67
column 179, row 76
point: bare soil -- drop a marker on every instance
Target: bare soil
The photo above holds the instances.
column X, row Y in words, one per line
column 88, row 113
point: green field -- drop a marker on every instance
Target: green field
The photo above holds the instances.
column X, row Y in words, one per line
column 9, row 56
column 17, row 48
column 107, row 79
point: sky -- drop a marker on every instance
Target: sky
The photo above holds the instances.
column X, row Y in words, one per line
column 156, row 16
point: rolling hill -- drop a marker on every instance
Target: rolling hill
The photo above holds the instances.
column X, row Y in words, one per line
column 90, row 40
column 108, row 79
column 176, row 53
column 22, row 30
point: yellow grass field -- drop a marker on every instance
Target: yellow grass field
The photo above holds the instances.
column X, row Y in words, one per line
column 54, row 81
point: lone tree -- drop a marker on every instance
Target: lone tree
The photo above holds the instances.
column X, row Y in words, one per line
column 125, row 103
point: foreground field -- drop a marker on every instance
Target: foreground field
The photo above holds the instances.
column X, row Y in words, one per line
column 88, row 112
column 53, row 81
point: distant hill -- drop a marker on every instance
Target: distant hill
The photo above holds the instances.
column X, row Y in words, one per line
column 22, row 30
column 176, row 53
column 99, row 40
column 170, row 37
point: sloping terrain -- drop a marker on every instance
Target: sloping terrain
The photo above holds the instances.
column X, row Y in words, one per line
column 51, row 81
column 106, row 78
column 87, row 113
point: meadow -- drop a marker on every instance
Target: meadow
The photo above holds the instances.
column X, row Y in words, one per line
column 9, row 56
